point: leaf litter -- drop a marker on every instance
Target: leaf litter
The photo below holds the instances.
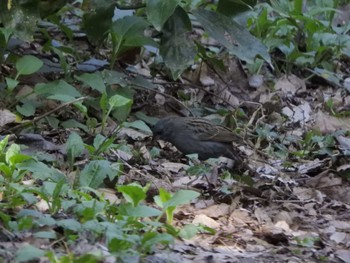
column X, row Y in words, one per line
column 295, row 207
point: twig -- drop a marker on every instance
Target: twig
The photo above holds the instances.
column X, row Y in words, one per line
column 27, row 122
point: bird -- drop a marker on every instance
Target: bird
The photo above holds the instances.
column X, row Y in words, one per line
column 197, row 135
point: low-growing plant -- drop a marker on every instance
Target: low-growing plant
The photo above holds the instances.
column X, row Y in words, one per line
column 302, row 33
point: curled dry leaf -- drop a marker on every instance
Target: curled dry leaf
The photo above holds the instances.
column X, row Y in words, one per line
column 205, row 220
column 6, row 117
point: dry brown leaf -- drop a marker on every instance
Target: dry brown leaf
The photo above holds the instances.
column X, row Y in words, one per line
column 328, row 124
column 6, row 117
column 174, row 167
column 307, row 194
column 205, row 220
column 241, row 217
column 344, row 255
column 341, row 225
column 214, row 211
column 300, row 113
column 338, row 237
column 262, row 216
column 290, row 84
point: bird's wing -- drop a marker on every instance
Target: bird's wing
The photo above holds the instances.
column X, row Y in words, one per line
column 207, row 131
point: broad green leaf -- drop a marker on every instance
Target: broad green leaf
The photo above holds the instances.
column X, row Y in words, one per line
column 138, row 211
column 95, row 172
column 11, row 83
column 41, row 171
column 177, row 48
column 19, row 158
column 70, row 224
column 27, row 109
column 114, row 77
column 188, row 231
column 128, row 32
column 181, row 197
column 140, row 125
column 234, row 7
column 94, row 80
column 140, row 81
column 158, row 11
column 75, row 146
column 98, row 20
column 163, row 197
column 28, row 253
column 328, row 75
column 118, row 101
column 28, row 64
column 45, row 234
column 122, row 112
column 59, row 87
column 60, row 97
column 231, row 35
column 132, row 193
column 6, row 33
column 71, row 123
column 6, row 170
column 152, row 239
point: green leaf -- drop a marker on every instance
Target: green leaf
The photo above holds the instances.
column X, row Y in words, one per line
column 114, row 77
column 98, row 20
column 177, row 49
column 28, row 64
column 62, row 58
column 45, row 234
column 74, row 124
column 234, row 7
column 231, row 35
column 328, row 75
column 132, row 193
column 6, row 170
column 94, row 80
column 128, row 32
column 59, row 87
column 75, row 147
column 42, row 171
column 3, row 143
column 118, row 101
column 122, row 112
column 12, row 151
column 6, row 33
column 181, row 197
column 19, row 158
column 158, row 11
column 28, row 253
column 188, row 231
column 27, row 109
column 140, row 125
column 138, row 211
column 95, row 172
column 11, row 83
column 152, row 239
column 70, row 224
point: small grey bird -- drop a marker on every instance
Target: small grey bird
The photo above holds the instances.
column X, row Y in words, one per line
column 197, row 135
